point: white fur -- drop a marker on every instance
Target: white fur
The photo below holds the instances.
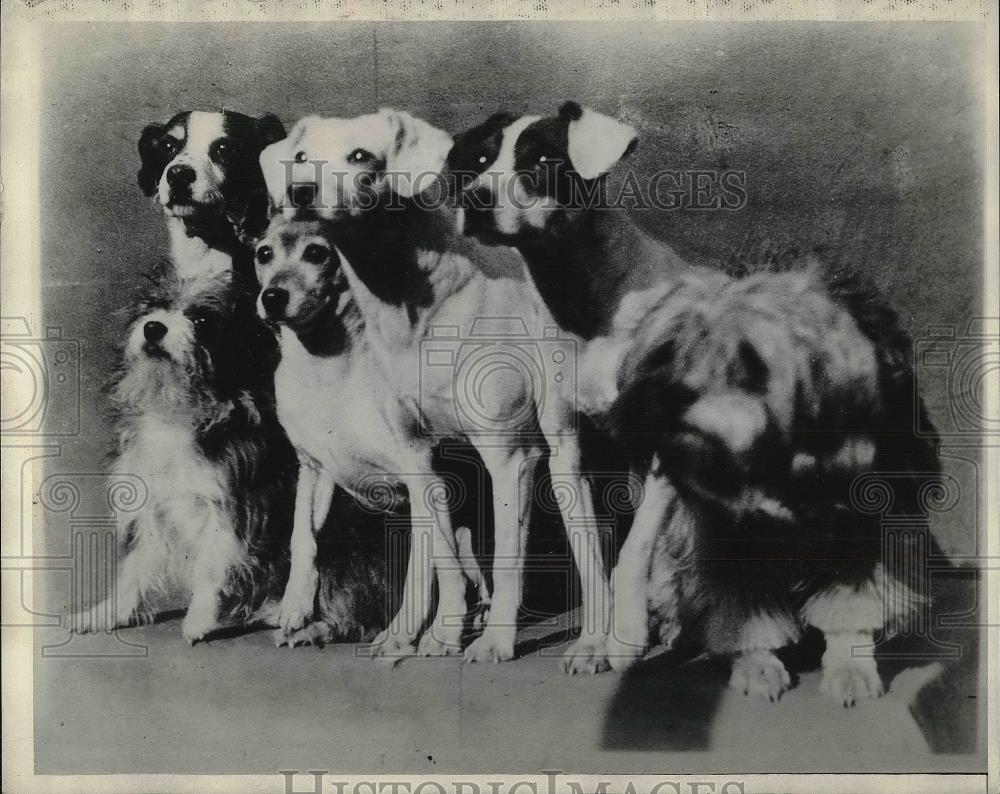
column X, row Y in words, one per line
column 183, row 536
column 462, row 296
column 203, row 129
column 318, row 150
column 597, row 142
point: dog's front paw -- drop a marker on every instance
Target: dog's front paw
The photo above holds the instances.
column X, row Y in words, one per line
column 589, row 654
column 440, row 640
column 392, row 647
column 197, row 625
column 760, row 674
column 491, row 646
column 297, row 606
column 851, row 681
column 317, row 633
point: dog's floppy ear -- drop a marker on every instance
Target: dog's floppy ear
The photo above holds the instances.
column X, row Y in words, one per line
column 596, row 141
column 153, row 159
column 269, row 130
column 419, row 148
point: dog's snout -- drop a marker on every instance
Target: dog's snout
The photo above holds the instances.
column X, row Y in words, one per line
column 181, row 175
column 275, row 301
column 154, row 331
column 303, row 194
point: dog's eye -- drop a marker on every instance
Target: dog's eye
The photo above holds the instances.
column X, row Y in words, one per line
column 264, row 254
column 300, row 157
column 221, row 149
column 360, row 156
column 316, row 254
column 168, row 145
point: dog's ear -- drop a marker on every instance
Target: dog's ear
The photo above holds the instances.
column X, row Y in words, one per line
column 596, row 141
column 153, row 158
column 418, row 148
column 269, row 130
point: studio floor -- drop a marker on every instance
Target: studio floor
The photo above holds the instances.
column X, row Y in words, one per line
column 240, row 705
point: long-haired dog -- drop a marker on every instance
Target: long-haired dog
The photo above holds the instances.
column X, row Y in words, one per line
column 763, row 401
column 197, row 425
column 203, row 169
column 791, row 369
column 351, row 430
column 377, row 179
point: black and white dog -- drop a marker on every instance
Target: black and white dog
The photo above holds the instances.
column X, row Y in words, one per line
column 750, row 406
column 203, row 169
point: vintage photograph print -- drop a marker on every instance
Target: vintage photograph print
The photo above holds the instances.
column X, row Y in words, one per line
column 496, row 402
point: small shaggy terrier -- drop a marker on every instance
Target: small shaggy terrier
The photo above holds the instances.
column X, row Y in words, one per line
column 197, row 424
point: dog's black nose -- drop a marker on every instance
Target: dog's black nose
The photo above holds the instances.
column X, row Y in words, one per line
column 154, row 331
column 180, row 175
column 274, row 301
column 303, row 194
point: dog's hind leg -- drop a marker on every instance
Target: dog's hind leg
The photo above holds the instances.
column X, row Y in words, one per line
column 313, row 495
column 629, row 636
column 444, row 636
column 589, row 653
column 512, row 470
column 218, row 553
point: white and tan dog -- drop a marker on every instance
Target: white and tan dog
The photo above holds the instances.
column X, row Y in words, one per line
column 349, row 428
column 378, row 179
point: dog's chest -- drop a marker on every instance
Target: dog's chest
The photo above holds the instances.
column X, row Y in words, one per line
column 179, row 483
column 337, row 414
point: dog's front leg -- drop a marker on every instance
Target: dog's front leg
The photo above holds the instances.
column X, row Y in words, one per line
column 630, row 611
column 312, row 503
column 139, row 565
column 513, row 472
column 218, row 553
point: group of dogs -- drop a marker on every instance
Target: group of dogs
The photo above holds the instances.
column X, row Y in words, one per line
column 277, row 359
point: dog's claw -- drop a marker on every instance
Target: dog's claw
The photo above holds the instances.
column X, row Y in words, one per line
column 587, row 655
column 391, row 648
column 433, row 643
column 852, row 681
column 761, row 674
column 490, row 648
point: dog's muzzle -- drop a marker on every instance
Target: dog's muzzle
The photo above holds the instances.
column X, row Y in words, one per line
column 274, row 301
column 181, row 178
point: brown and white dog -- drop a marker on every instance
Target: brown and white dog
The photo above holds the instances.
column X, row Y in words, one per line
column 350, row 429
column 419, row 285
column 203, row 169
column 750, row 406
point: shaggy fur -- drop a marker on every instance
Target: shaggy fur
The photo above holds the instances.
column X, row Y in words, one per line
column 197, row 424
column 762, row 400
